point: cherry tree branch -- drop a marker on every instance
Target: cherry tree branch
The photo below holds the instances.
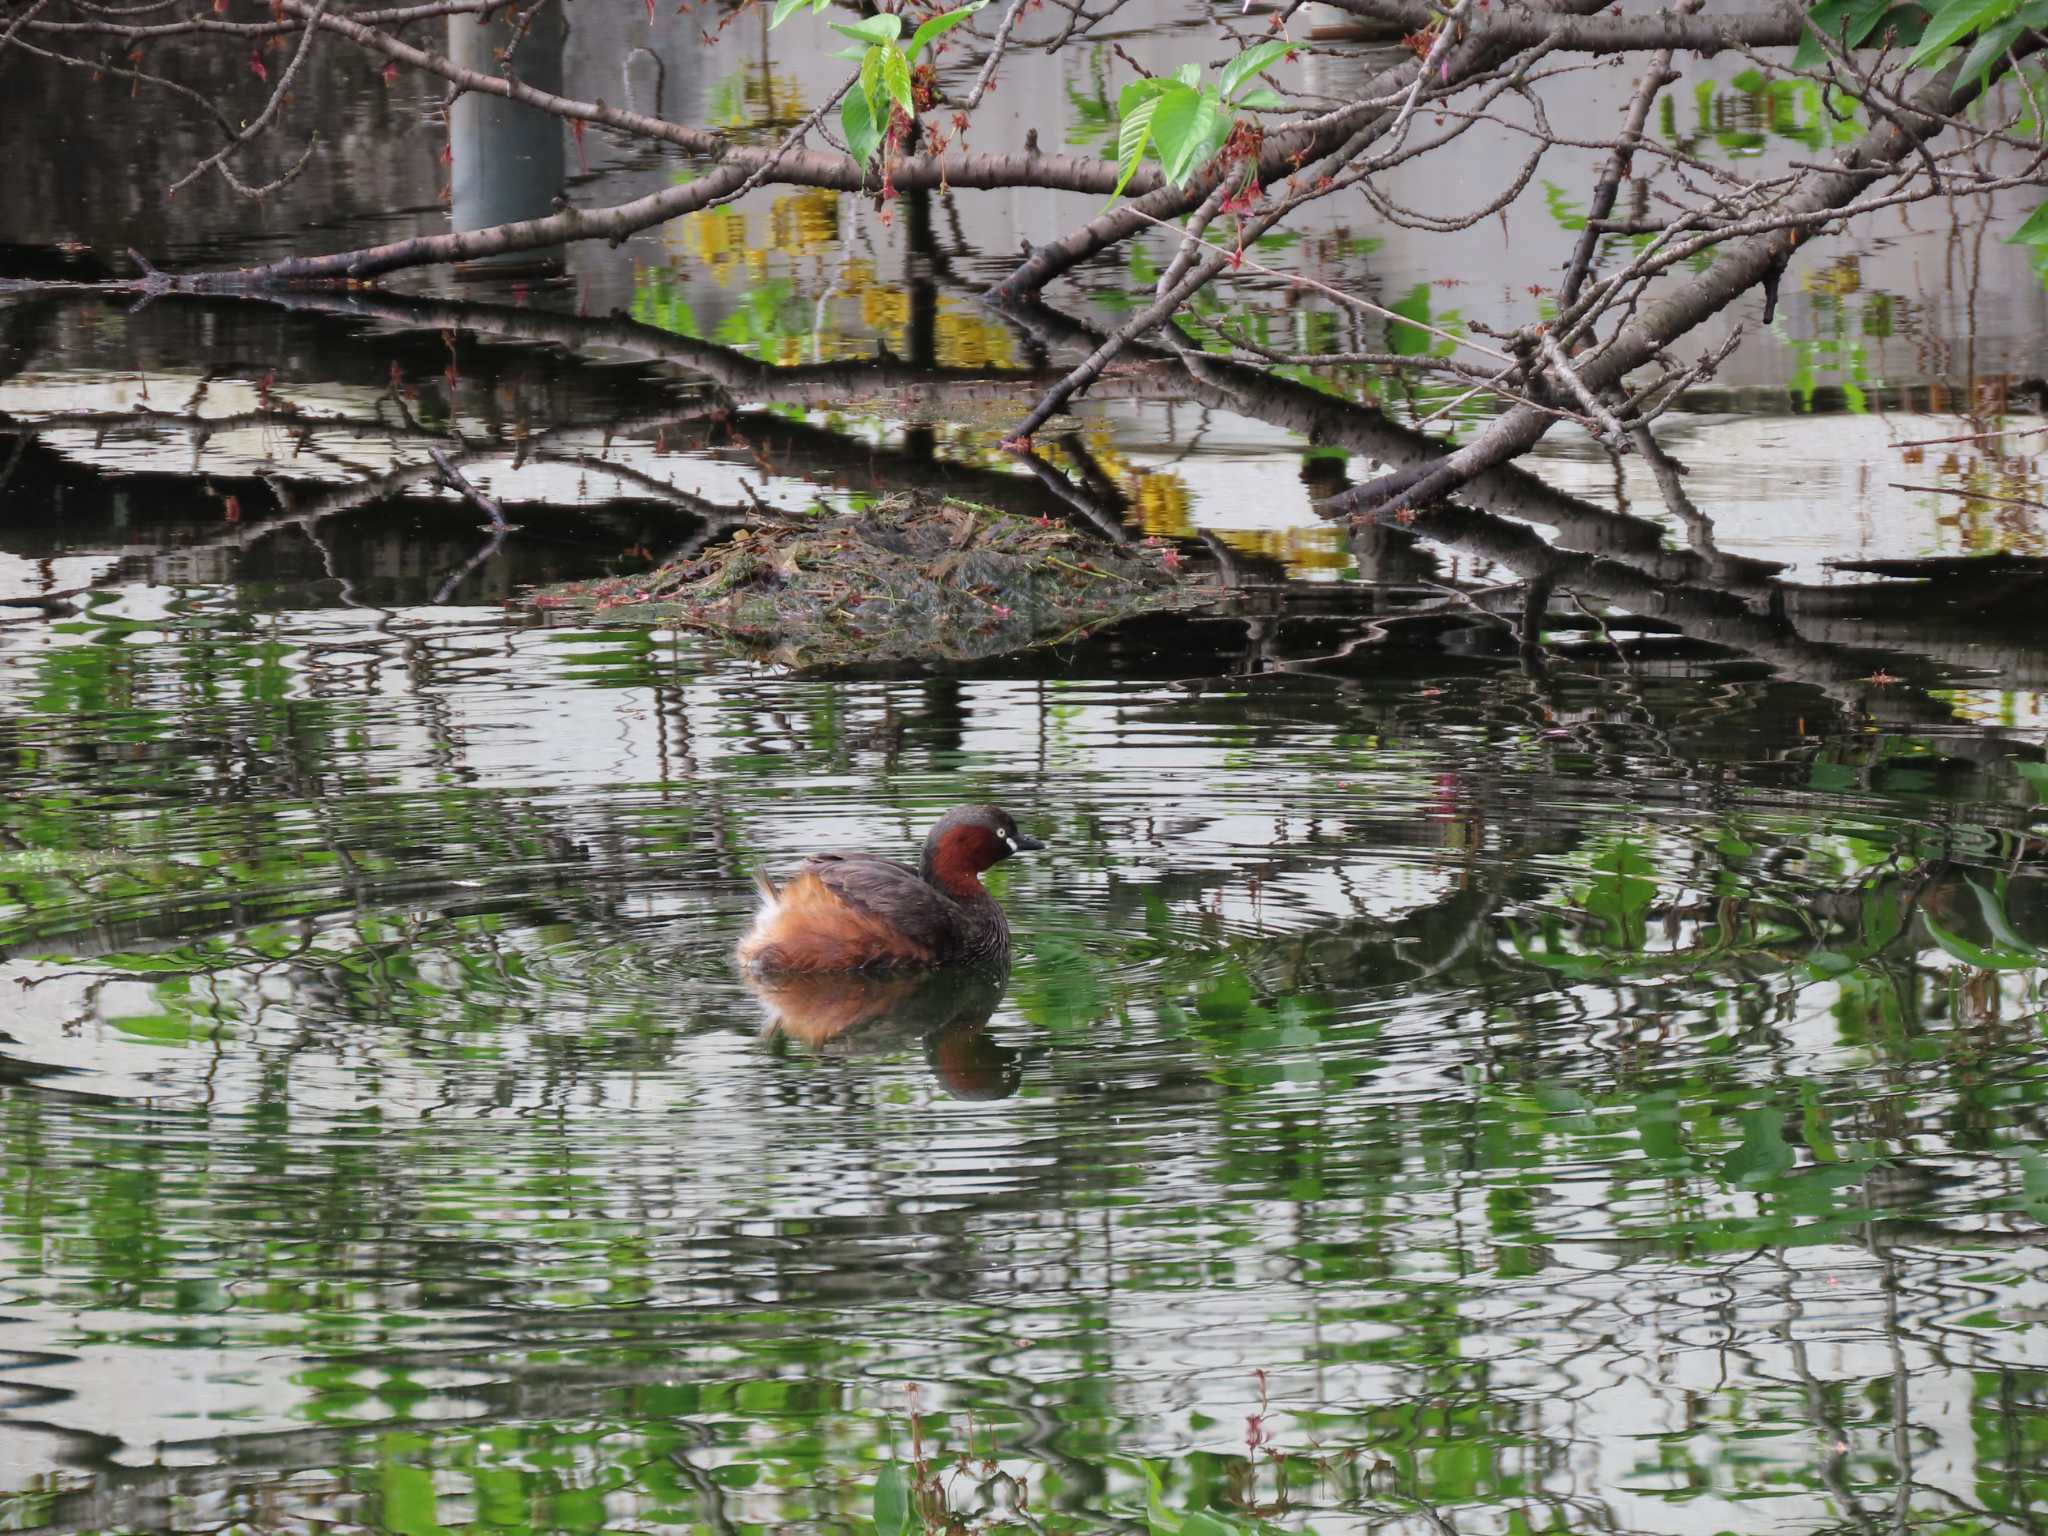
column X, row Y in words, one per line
column 1742, row 264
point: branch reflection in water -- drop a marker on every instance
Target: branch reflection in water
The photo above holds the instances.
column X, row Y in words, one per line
column 1564, row 1005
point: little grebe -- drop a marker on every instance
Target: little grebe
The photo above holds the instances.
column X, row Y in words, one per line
column 857, row 912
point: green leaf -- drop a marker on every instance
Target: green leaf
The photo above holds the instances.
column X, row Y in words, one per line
column 1863, row 20
column 1227, row 998
column 1189, row 75
column 1813, row 1125
column 892, row 1501
column 1183, row 128
column 166, row 1028
column 409, row 1500
column 1171, row 123
column 938, row 26
column 1565, row 213
column 1621, row 893
column 896, row 78
column 1884, row 919
column 1832, row 778
column 1218, row 135
column 1132, row 136
column 2033, row 232
column 1957, row 19
column 1827, row 17
column 872, row 29
column 857, row 125
column 1263, row 99
column 1163, row 1521
column 1907, row 21
column 1990, row 50
column 1851, row 23
column 2034, row 1182
column 1200, row 1524
column 784, row 9
column 1560, row 1098
column 1976, row 954
column 1992, row 906
column 1130, row 96
column 1247, row 64
column 871, row 79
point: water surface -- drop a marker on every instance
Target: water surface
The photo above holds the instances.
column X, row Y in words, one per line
column 1602, row 1095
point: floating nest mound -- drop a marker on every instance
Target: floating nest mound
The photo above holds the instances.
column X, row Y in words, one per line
column 911, row 579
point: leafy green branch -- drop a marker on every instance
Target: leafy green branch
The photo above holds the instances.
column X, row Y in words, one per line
column 1937, row 34
column 1184, row 122
column 886, row 67
column 1989, row 26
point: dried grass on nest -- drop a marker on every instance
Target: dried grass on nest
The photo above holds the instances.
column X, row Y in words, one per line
column 910, row 579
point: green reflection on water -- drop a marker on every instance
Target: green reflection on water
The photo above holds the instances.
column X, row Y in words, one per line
column 1545, row 1129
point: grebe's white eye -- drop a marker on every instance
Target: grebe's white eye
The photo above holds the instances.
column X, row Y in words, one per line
column 1009, row 842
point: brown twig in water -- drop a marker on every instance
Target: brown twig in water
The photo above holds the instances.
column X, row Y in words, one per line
column 1946, row 490
column 456, row 480
column 1971, row 437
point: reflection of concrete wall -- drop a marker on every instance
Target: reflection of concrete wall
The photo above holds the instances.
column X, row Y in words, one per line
column 615, row 53
column 89, row 162
column 508, row 162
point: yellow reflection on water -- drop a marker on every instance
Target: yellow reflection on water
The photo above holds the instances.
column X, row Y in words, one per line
column 1839, row 278
column 807, row 225
column 883, row 310
column 715, row 241
column 754, row 97
column 1161, row 501
column 805, row 222
column 720, row 240
column 1320, row 550
column 967, row 338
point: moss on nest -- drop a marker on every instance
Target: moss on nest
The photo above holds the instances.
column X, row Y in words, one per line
column 910, row 579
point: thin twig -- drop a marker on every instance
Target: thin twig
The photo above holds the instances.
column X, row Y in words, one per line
column 1949, row 490
column 456, row 480
column 1655, row 78
column 218, row 159
column 21, row 21
column 790, row 142
column 1452, row 24
column 1972, row 437
column 1561, row 365
column 995, row 55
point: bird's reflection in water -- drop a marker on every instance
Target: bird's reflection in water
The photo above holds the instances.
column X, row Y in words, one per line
column 855, row 1015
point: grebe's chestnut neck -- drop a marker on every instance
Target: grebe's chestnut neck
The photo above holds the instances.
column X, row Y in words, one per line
column 967, row 841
